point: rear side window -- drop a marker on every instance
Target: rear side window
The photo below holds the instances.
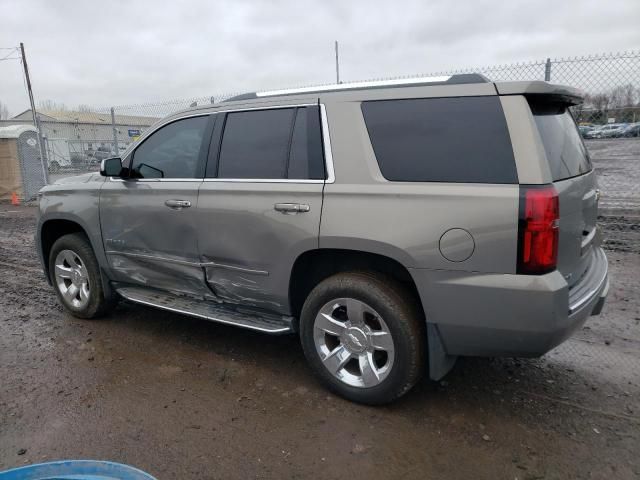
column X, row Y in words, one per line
column 255, row 144
column 272, row 144
column 462, row 140
column 563, row 144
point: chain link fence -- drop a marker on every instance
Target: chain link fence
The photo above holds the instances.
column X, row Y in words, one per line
column 75, row 141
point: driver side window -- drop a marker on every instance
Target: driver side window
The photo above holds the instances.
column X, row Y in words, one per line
column 172, row 151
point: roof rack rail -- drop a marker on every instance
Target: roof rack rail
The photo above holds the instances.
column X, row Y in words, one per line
column 457, row 79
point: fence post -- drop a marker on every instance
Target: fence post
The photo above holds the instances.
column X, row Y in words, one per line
column 547, row 70
column 44, row 154
column 115, row 132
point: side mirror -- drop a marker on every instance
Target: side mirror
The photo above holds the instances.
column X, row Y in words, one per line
column 111, row 167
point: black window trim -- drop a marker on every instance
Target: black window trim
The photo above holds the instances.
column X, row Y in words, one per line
column 214, row 154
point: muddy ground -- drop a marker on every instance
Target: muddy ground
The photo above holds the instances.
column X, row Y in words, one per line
column 188, row 399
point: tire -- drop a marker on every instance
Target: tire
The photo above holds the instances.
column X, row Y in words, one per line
column 78, row 268
column 369, row 369
column 54, row 167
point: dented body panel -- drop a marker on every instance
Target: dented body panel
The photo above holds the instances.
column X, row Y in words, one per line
column 147, row 243
column 247, row 247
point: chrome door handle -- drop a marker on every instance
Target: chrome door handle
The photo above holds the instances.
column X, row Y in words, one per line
column 177, row 204
column 291, row 208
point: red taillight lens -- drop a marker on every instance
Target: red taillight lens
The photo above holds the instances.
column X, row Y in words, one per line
column 538, row 230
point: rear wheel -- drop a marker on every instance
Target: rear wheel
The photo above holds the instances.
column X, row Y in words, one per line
column 363, row 336
column 75, row 276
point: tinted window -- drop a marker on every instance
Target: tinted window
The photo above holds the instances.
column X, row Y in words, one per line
column 441, row 140
column 563, row 145
column 172, row 151
column 306, row 159
column 255, row 144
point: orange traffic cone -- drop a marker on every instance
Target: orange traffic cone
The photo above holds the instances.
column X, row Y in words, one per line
column 14, row 199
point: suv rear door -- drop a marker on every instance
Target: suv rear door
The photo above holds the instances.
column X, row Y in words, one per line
column 148, row 220
column 575, row 180
column 259, row 206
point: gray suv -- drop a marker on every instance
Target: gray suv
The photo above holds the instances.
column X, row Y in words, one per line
column 394, row 225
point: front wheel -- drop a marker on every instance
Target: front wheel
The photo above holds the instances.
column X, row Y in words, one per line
column 75, row 276
column 363, row 335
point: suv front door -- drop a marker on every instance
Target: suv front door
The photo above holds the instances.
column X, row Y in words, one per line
column 148, row 219
column 259, row 206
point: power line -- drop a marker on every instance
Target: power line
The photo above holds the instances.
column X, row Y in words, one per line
column 6, row 57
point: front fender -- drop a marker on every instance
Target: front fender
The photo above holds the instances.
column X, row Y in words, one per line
column 79, row 205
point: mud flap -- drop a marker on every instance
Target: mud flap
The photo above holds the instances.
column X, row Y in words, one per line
column 440, row 363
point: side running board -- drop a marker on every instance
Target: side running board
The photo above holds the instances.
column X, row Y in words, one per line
column 231, row 315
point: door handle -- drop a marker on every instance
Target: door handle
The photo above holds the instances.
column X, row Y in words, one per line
column 291, row 208
column 177, row 204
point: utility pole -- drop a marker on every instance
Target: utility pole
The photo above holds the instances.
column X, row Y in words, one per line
column 36, row 123
column 337, row 65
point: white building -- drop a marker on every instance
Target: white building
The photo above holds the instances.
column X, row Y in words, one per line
column 72, row 136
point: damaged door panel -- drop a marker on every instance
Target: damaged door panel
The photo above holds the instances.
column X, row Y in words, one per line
column 247, row 247
column 156, row 246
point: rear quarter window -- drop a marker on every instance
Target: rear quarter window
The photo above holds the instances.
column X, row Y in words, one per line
column 460, row 140
column 563, row 145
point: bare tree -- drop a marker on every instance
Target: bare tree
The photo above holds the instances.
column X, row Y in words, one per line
column 51, row 105
column 624, row 96
column 600, row 101
column 4, row 111
column 84, row 108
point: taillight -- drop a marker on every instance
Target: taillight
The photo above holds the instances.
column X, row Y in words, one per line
column 538, row 229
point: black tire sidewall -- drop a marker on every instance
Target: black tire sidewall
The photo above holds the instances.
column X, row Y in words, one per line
column 399, row 313
column 79, row 244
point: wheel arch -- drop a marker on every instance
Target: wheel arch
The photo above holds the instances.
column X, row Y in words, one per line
column 313, row 266
column 51, row 228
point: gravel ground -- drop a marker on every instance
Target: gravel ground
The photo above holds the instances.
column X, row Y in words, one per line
column 617, row 161
column 184, row 398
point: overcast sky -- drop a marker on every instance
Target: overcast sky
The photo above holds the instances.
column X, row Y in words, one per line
column 120, row 52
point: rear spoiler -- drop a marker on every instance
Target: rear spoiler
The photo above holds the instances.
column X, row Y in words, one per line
column 537, row 88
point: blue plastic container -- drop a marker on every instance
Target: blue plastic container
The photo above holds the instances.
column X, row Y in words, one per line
column 76, row 470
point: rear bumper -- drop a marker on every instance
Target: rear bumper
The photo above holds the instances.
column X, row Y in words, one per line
column 509, row 315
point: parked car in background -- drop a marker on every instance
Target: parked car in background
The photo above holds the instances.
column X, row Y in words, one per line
column 632, row 130
column 103, row 152
column 615, row 131
column 593, row 133
column 356, row 217
column 94, row 157
column 611, row 130
column 584, row 129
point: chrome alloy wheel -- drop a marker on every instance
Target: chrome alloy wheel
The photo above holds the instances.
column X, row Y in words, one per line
column 354, row 342
column 72, row 278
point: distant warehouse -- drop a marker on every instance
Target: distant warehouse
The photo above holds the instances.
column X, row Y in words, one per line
column 72, row 136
